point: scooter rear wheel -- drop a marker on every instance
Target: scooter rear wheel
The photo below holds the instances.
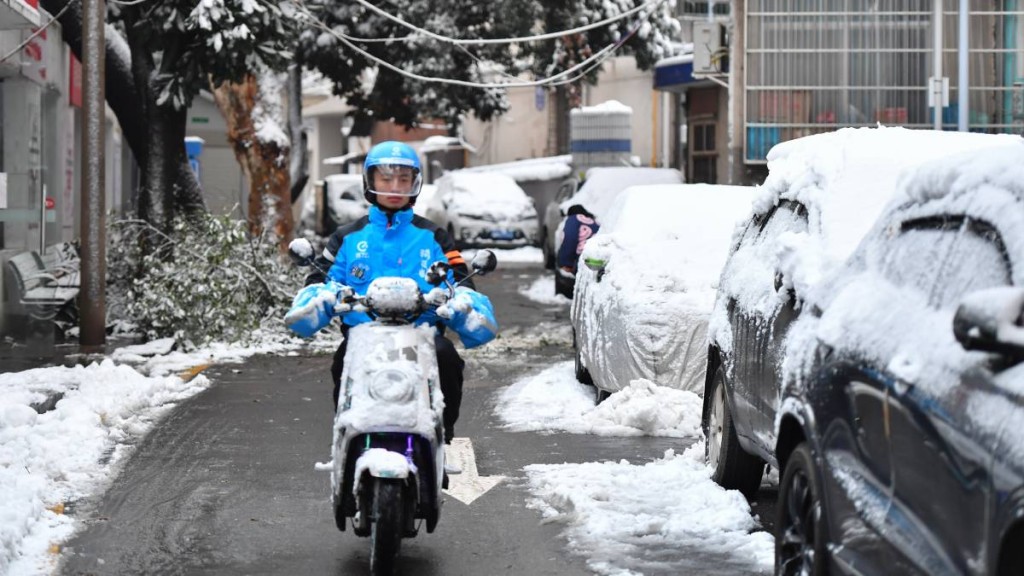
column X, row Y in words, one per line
column 388, row 526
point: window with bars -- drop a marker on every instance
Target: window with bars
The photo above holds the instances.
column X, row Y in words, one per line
column 815, row 65
column 703, row 155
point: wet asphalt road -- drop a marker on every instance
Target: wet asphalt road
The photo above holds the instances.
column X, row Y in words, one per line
column 225, row 484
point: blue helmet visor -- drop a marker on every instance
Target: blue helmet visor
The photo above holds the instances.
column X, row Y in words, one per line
column 393, row 180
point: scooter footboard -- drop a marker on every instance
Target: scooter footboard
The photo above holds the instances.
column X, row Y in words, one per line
column 419, row 450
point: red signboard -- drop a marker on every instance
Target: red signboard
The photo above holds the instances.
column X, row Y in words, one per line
column 75, row 82
column 50, row 203
column 33, row 3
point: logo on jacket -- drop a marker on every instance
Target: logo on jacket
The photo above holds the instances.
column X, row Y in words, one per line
column 361, row 247
column 359, row 270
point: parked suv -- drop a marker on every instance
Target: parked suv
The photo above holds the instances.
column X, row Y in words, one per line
column 822, row 195
column 900, row 429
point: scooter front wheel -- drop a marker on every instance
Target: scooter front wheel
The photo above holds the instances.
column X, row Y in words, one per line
column 388, row 525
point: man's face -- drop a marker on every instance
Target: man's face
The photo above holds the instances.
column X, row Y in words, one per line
column 393, row 185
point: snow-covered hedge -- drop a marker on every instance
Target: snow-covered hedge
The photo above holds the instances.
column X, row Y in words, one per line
column 210, row 279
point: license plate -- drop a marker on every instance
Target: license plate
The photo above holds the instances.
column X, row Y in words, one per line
column 502, row 234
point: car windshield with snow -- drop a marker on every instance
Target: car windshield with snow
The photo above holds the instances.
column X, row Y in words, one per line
column 899, row 426
column 822, row 195
column 487, row 210
column 647, row 282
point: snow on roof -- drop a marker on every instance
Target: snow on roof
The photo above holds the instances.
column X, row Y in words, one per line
column 530, row 169
column 613, row 106
column 435, row 143
column 603, row 184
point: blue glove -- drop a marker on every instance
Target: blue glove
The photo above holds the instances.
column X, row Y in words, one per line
column 313, row 308
column 471, row 315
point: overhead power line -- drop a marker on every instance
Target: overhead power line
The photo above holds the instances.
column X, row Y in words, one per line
column 563, row 77
column 548, row 36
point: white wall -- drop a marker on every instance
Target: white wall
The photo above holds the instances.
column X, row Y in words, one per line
column 522, row 132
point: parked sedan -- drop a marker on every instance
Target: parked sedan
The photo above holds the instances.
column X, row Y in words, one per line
column 900, row 426
column 822, row 195
column 597, row 193
column 341, row 201
column 487, row 210
column 646, row 290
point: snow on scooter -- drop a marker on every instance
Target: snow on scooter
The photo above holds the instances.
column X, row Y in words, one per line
column 387, row 466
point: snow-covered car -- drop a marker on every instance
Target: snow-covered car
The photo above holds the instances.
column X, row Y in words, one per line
column 646, row 285
column 597, row 193
column 487, row 210
column 342, row 202
column 900, row 429
column 822, row 195
column 429, row 205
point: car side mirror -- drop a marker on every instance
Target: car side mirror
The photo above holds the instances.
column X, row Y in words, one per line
column 992, row 320
column 483, row 262
column 301, row 252
column 598, row 265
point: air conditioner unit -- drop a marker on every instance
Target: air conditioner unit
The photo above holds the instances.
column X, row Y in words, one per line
column 708, row 47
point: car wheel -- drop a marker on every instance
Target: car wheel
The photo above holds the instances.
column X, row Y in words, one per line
column 800, row 543
column 582, row 374
column 731, row 467
column 563, row 286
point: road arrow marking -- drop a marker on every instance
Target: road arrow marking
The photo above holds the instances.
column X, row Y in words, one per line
column 469, row 485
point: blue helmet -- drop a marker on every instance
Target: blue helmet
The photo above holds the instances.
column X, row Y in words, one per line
column 391, row 156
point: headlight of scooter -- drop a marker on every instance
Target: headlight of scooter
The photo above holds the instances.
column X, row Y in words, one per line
column 391, row 385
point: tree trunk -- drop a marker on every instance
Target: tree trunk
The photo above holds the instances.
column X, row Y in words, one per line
column 299, row 169
column 251, row 109
column 132, row 107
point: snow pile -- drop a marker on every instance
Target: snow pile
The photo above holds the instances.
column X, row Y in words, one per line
column 656, row 518
column 542, row 291
column 554, row 401
column 48, row 460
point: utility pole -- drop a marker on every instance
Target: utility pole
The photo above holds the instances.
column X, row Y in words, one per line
column 92, row 294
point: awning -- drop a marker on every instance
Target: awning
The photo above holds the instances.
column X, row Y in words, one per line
column 676, row 74
column 15, row 14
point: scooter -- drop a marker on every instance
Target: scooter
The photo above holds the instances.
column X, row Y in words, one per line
column 387, row 470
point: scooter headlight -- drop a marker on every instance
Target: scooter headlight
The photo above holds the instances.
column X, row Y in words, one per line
column 391, row 385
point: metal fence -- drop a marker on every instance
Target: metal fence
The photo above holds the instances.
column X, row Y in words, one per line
column 816, row 65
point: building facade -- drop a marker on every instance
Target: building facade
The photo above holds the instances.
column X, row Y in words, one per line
column 809, row 66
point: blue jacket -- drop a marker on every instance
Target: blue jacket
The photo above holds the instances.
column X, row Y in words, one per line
column 578, row 228
column 401, row 244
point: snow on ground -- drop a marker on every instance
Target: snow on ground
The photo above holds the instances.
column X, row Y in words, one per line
column 630, row 518
column 554, row 401
column 49, row 461
column 542, row 291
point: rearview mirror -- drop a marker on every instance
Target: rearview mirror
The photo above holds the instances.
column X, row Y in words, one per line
column 992, row 320
column 301, row 252
column 483, row 262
